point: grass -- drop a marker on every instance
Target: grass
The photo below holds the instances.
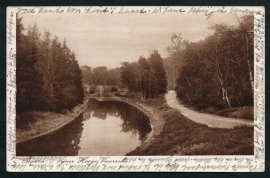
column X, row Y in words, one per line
column 31, row 124
column 158, row 102
column 246, row 112
column 181, row 136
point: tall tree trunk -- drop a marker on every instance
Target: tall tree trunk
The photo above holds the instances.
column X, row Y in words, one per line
column 188, row 81
column 249, row 68
column 220, row 78
column 224, row 92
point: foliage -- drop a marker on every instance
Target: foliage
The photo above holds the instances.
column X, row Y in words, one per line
column 217, row 71
column 147, row 77
column 246, row 112
column 101, row 75
column 48, row 75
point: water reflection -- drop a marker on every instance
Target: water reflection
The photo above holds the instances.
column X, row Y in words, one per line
column 104, row 128
column 112, row 128
column 64, row 142
column 134, row 120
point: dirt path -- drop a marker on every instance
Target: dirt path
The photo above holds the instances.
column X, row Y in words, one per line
column 208, row 119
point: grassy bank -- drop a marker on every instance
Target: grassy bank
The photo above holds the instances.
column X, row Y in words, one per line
column 181, row 136
column 35, row 123
column 246, row 112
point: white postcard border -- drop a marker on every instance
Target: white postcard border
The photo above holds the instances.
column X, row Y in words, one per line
column 254, row 163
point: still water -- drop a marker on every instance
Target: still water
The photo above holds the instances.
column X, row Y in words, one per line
column 104, row 128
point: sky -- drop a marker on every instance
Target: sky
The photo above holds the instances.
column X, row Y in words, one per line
column 109, row 39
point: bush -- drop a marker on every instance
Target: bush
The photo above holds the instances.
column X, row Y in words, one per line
column 210, row 110
column 114, row 89
column 243, row 113
column 92, row 89
column 164, row 107
column 246, row 113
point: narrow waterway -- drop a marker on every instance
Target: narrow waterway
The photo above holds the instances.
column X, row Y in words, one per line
column 208, row 119
column 104, row 128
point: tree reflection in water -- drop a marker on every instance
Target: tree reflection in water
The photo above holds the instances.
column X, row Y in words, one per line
column 63, row 142
column 66, row 141
column 134, row 120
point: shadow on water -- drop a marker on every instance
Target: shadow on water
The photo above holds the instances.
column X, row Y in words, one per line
column 134, row 120
column 102, row 123
column 63, row 142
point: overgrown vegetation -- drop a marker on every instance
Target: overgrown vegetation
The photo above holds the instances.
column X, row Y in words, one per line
column 146, row 78
column 246, row 112
column 101, row 75
column 48, row 76
column 217, row 71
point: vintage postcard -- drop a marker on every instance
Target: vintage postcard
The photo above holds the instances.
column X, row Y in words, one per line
column 138, row 89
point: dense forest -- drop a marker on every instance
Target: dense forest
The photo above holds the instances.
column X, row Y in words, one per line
column 147, row 77
column 101, row 75
column 217, row 71
column 48, row 75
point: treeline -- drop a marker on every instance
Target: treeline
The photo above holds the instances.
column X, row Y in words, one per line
column 48, row 75
column 101, row 75
column 217, row 71
column 146, row 78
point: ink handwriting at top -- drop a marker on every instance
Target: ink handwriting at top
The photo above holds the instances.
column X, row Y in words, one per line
column 45, row 10
column 205, row 10
column 169, row 9
column 26, row 10
column 99, row 10
column 127, row 11
column 111, row 10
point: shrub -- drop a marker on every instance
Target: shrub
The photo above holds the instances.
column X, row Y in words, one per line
column 114, row 89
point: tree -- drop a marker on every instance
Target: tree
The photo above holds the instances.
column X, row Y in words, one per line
column 29, row 84
column 48, row 75
column 217, row 71
column 147, row 77
column 176, row 50
column 87, row 74
column 159, row 77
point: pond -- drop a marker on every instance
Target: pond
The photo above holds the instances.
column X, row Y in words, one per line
column 104, row 128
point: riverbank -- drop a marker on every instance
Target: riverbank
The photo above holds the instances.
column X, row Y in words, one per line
column 179, row 135
column 40, row 123
column 151, row 108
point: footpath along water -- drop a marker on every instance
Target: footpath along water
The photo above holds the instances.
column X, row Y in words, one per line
column 208, row 119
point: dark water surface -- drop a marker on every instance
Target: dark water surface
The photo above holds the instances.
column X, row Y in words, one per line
column 104, row 128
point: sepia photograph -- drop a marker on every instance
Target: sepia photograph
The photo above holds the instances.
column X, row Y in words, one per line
column 134, row 84
column 135, row 89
